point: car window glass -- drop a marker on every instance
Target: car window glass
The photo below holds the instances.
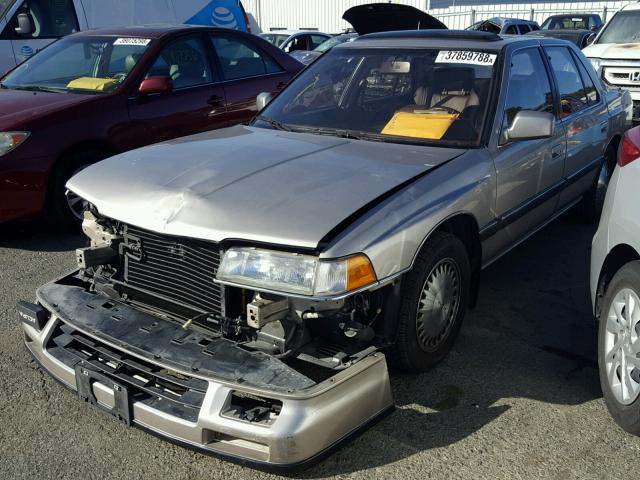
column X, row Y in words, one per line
column 573, row 97
column 529, row 87
column 534, row 27
column 317, row 40
column 185, row 61
column 524, row 28
column 49, row 18
column 511, row 30
column 590, row 88
column 298, row 43
column 239, row 59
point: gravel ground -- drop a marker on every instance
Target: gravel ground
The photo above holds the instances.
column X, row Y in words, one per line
column 517, row 398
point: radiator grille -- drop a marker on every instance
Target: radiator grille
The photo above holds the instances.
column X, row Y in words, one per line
column 179, row 269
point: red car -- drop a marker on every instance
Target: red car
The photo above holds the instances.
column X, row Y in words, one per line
column 95, row 94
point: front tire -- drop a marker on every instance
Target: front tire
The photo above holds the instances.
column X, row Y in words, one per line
column 64, row 209
column 618, row 345
column 435, row 295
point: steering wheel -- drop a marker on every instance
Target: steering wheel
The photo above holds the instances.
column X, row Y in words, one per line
column 119, row 77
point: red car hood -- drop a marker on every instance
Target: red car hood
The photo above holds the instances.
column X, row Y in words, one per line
column 18, row 107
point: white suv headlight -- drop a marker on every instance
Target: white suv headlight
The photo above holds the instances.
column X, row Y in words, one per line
column 10, row 140
column 293, row 273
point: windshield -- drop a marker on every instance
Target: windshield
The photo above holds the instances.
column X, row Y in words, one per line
column 623, row 28
column 416, row 95
column 4, row 6
column 275, row 39
column 329, row 44
column 569, row 22
column 79, row 65
column 486, row 26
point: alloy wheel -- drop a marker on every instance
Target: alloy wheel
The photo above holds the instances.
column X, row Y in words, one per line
column 621, row 346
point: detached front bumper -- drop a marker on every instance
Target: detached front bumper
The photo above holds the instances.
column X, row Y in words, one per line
column 281, row 420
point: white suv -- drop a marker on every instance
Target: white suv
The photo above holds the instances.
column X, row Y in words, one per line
column 615, row 53
column 615, row 287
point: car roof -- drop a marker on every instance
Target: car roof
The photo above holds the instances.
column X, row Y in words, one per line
column 291, row 32
column 146, row 31
column 508, row 19
column 458, row 39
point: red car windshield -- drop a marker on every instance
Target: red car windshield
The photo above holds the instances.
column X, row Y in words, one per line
column 79, row 65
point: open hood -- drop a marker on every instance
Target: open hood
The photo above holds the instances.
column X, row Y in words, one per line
column 387, row 17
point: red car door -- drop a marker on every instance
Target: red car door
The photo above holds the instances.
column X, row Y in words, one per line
column 196, row 103
column 246, row 71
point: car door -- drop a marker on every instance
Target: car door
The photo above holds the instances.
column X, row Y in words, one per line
column 529, row 171
column 246, row 71
column 49, row 21
column 585, row 118
column 197, row 102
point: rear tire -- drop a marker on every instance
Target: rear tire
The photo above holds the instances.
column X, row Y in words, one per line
column 617, row 339
column 59, row 212
column 435, row 295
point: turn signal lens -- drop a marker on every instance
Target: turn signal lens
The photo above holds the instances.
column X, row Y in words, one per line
column 629, row 147
column 360, row 272
column 11, row 140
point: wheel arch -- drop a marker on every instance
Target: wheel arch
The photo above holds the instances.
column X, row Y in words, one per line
column 619, row 256
column 613, row 142
column 464, row 226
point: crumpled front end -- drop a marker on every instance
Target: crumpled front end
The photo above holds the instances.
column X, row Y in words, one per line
column 143, row 333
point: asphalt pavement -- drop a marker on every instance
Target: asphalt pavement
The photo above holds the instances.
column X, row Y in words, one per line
column 518, row 397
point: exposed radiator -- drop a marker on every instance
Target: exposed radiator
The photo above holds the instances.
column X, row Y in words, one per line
column 180, row 269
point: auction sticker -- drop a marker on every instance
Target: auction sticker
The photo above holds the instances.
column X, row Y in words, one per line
column 132, row 41
column 466, row 56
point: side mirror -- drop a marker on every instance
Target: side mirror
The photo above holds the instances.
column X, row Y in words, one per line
column 263, row 99
column 591, row 38
column 25, row 24
column 530, row 125
column 155, row 85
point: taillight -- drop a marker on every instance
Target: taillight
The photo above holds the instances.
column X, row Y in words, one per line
column 630, row 147
column 246, row 20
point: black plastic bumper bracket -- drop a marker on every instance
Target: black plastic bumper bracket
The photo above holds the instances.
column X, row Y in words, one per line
column 86, row 376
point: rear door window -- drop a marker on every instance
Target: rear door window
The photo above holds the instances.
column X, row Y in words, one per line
column 239, row 59
column 185, row 61
column 511, row 30
column 524, row 28
column 573, row 96
column 590, row 88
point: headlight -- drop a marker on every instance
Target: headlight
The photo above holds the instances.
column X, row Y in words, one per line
column 595, row 62
column 10, row 140
column 294, row 273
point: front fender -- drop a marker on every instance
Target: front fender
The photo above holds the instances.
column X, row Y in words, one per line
column 392, row 233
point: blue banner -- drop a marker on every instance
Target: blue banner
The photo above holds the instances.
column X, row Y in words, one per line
column 221, row 13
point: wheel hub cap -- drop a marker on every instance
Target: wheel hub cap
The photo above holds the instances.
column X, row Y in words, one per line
column 621, row 346
column 438, row 305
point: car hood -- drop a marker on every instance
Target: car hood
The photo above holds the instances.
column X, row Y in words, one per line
column 252, row 184
column 386, row 17
column 18, row 107
column 613, row 51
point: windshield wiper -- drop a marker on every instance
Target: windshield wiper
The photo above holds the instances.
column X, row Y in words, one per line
column 336, row 132
column 276, row 124
column 38, row 88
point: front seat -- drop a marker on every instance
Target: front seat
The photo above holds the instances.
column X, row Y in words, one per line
column 130, row 61
column 450, row 87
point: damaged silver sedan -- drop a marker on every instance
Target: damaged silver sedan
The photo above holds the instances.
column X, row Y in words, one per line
column 244, row 288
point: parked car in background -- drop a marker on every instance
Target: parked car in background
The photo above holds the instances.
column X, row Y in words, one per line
column 615, row 288
column 27, row 26
column 573, row 21
column 615, row 53
column 505, row 26
column 580, row 38
column 293, row 40
column 309, row 56
column 254, row 276
column 94, row 94
column 375, row 17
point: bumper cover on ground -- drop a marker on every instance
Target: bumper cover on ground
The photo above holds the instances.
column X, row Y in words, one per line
column 185, row 387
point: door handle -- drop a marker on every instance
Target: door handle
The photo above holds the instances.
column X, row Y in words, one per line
column 556, row 151
column 215, row 100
